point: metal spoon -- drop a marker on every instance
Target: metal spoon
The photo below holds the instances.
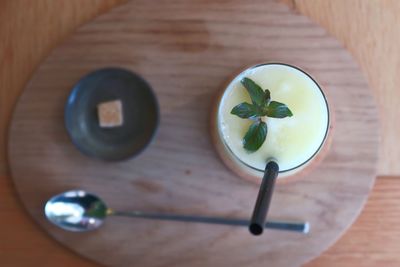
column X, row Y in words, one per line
column 80, row 211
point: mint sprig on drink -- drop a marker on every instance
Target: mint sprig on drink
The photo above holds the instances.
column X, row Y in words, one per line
column 261, row 107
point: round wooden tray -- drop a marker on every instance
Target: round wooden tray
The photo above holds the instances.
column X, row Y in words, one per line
column 187, row 50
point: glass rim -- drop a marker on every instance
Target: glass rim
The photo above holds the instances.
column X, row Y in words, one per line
column 327, row 125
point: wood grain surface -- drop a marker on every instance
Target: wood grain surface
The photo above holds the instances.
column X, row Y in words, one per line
column 30, row 29
column 187, row 51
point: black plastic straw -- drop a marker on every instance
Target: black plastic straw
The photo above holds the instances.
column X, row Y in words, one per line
column 259, row 216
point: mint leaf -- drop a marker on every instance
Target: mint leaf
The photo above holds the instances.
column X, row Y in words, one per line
column 278, row 110
column 255, row 136
column 245, row 110
column 257, row 95
column 266, row 100
column 267, row 97
column 261, row 106
column 97, row 210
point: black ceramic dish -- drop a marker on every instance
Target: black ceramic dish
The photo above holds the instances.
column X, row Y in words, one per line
column 140, row 112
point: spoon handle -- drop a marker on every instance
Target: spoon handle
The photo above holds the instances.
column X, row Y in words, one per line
column 301, row 227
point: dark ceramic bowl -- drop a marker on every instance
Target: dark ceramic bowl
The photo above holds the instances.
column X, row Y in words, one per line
column 140, row 112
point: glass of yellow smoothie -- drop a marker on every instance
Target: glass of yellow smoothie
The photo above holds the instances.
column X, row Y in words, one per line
column 270, row 122
column 294, row 142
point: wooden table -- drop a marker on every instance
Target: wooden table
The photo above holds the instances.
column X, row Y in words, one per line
column 30, row 29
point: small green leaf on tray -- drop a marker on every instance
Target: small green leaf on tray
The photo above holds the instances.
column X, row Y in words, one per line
column 97, row 210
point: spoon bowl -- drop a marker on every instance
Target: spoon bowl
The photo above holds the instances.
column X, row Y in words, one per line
column 76, row 211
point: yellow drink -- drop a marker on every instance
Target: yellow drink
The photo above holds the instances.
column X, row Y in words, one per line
column 292, row 141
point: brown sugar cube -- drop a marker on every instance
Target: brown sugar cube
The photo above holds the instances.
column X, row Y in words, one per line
column 110, row 114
